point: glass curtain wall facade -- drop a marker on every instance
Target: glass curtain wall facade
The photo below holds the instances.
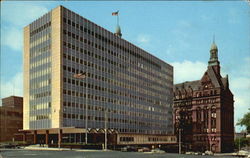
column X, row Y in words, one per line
column 40, row 73
column 124, row 85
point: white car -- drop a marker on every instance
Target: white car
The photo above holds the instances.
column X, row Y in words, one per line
column 157, row 151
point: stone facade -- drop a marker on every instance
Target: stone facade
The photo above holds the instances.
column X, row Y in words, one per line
column 204, row 110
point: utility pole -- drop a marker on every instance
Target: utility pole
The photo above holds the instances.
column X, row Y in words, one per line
column 83, row 76
column 105, row 139
column 239, row 144
column 179, row 141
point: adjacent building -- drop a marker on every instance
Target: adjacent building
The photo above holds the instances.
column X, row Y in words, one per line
column 204, row 110
column 11, row 118
column 81, row 78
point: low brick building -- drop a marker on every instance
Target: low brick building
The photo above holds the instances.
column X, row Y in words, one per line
column 11, row 117
column 204, row 110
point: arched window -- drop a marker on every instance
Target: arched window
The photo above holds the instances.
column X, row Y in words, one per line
column 190, row 92
column 213, row 118
column 198, row 114
column 206, row 118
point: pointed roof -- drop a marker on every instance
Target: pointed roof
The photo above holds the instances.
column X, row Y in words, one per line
column 188, row 84
column 212, row 75
column 217, row 81
column 214, row 46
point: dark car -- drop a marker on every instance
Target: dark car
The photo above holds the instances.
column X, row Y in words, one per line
column 128, row 149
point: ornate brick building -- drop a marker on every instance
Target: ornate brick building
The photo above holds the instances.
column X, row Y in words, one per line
column 204, row 110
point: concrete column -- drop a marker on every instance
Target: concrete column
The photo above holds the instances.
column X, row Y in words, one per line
column 47, row 137
column 59, row 137
column 202, row 114
column 35, row 136
column 24, row 137
column 209, row 120
column 218, row 121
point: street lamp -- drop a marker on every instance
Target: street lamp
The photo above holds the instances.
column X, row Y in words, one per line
column 105, row 139
column 179, row 140
column 240, row 128
column 83, row 76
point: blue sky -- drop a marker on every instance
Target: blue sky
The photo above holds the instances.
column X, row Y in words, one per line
column 179, row 33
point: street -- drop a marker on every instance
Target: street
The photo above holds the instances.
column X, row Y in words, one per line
column 90, row 154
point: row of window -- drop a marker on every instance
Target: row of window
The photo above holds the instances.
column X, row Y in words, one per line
column 185, row 94
column 142, row 89
column 156, row 139
column 39, row 51
column 118, row 120
column 40, row 29
column 40, row 40
column 110, row 52
column 91, row 54
column 114, row 111
column 104, row 99
column 204, row 138
column 40, row 95
column 41, row 74
column 40, row 117
column 40, row 84
column 159, row 77
column 45, row 105
column 110, row 42
column 126, row 139
column 109, row 90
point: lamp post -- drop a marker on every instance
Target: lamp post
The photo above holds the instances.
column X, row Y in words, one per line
column 240, row 129
column 83, row 76
column 179, row 140
column 106, row 136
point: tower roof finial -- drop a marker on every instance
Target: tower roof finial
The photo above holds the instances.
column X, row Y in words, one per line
column 118, row 28
column 213, row 46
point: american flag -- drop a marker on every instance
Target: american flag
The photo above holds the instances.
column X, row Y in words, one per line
column 115, row 13
column 80, row 75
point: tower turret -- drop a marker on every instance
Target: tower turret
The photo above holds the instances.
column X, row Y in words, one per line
column 118, row 31
column 213, row 61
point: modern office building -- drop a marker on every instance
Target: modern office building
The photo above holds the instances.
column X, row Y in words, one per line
column 204, row 110
column 11, row 118
column 81, row 78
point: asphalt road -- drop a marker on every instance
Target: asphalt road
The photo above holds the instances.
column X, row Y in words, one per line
column 90, row 154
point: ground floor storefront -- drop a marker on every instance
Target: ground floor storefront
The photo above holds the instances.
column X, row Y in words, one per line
column 73, row 135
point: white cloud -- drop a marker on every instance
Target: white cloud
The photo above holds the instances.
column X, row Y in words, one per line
column 143, row 38
column 240, row 83
column 15, row 16
column 12, row 87
column 240, row 87
column 12, row 37
column 21, row 14
column 188, row 70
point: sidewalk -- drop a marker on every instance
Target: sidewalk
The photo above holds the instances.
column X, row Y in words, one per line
column 34, row 147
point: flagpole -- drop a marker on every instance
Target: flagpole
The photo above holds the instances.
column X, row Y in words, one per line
column 117, row 19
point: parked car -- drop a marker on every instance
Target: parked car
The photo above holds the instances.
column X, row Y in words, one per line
column 128, row 148
column 189, row 153
column 144, row 149
column 207, row 152
column 243, row 153
column 157, row 150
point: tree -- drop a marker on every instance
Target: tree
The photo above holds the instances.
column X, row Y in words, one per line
column 243, row 142
column 245, row 121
